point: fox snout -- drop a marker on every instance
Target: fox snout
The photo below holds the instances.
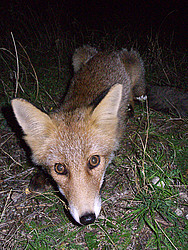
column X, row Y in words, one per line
column 84, row 200
column 87, row 214
column 80, row 184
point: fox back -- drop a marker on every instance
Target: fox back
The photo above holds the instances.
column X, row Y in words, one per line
column 76, row 143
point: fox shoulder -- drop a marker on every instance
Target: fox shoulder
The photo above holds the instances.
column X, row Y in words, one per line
column 82, row 55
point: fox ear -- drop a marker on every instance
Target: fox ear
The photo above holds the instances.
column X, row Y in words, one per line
column 35, row 123
column 105, row 115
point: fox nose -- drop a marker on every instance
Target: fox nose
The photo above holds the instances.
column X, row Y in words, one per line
column 87, row 218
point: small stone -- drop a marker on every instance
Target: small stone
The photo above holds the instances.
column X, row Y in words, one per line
column 15, row 196
column 156, row 180
column 179, row 212
column 183, row 196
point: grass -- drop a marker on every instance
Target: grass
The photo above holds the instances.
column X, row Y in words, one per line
column 145, row 185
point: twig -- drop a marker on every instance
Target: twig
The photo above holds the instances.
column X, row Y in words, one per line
column 107, row 236
column 17, row 64
column 166, row 235
column 22, row 173
column 6, row 140
column 8, row 198
column 146, row 141
column 36, row 78
column 11, row 157
column 32, row 206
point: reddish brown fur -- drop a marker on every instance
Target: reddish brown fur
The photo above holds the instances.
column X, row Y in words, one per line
column 89, row 122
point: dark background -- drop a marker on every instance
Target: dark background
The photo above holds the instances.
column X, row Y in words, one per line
column 148, row 17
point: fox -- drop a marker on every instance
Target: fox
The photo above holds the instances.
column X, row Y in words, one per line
column 76, row 142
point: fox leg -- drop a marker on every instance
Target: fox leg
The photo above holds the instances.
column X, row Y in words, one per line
column 40, row 182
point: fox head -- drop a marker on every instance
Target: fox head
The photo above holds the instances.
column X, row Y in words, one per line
column 75, row 147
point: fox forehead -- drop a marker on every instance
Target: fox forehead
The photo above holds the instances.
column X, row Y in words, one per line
column 74, row 141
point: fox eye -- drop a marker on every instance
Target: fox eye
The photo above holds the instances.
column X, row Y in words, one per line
column 94, row 161
column 60, row 168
